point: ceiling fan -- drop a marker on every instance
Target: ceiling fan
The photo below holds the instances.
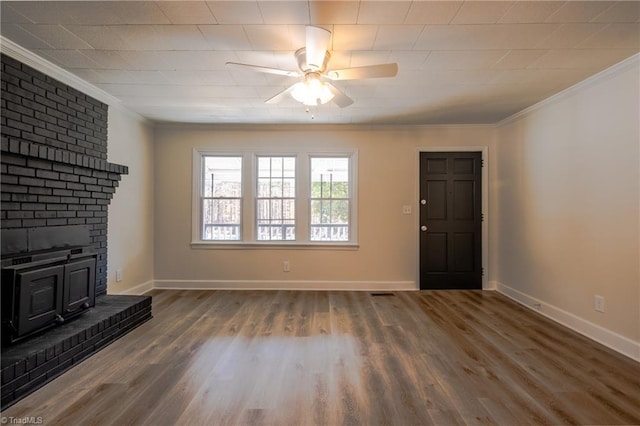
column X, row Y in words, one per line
column 315, row 86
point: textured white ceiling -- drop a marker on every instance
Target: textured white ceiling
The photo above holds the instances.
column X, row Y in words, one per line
column 459, row 61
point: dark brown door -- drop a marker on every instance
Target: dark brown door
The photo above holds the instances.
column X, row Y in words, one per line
column 450, row 220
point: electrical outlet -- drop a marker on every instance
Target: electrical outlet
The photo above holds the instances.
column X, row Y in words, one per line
column 598, row 303
column 406, row 209
column 286, row 266
column 118, row 275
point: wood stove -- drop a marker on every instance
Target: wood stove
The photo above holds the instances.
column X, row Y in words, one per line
column 48, row 277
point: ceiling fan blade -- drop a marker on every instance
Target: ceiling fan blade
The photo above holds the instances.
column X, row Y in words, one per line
column 267, row 70
column 339, row 97
column 316, row 48
column 370, row 71
column 280, row 96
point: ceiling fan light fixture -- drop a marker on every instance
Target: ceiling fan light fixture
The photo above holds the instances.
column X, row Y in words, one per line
column 316, row 87
column 312, row 91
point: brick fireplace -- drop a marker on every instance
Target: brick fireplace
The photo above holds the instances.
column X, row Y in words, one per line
column 54, row 158
column 55, row 173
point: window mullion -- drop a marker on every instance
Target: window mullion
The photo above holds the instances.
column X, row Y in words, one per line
column 248, row 198
column 196, row 196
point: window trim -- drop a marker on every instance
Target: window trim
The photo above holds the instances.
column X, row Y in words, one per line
column 248, row 226
column 240, row 200
column 197, row 225
column 353, row 212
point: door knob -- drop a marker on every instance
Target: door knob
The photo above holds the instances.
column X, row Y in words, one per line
column 423, row 202
column 423, row 228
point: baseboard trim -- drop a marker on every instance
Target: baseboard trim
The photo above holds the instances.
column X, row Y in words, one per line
column 137, row 290
column 284, row 285
column 491, row 285
column 610, row 339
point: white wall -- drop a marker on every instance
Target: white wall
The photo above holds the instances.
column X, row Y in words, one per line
column 568, row 203
column 130, row 235
column 388, row 178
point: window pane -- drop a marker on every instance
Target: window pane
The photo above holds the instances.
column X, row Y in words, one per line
column 222, row 177
column 225, row 211
column 276, row 211
column 289, row 210
column 316, row 211
column 289, row 188
column 279, row 232
column 264, row 187
column 276, row 187
column 264, row 167
column 216, row 232
column 340, row 211
column 329, row 175
column 262, row 211
column 221, row 219
column 289, row 167
column 340, row 190
column 330, row 233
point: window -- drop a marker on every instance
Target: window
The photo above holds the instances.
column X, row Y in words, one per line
column 221, row 198
column 262, row 199
column 276, row 198
column 330, row 199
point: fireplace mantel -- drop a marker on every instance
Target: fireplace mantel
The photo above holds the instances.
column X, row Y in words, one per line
column 47, row 153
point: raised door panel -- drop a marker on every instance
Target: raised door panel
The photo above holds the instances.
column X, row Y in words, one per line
column 80, row 279
column 436, row 259
column 463, row 200
column 463, row 251
column 40, row 298
column 437, row 196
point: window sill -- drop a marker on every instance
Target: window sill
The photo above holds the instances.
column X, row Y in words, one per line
column 239, row 245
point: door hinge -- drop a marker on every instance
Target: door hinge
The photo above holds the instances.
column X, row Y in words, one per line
column 481, row 217
column 482, row 163
column 482, row 272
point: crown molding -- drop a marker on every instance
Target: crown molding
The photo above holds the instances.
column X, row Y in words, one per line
column 276, row 127
column 584, row 84
column 29, row 58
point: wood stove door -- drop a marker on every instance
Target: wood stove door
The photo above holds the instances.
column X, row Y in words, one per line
column 80, row 283
column 40, row 298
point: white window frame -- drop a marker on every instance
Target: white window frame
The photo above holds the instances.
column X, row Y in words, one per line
column 296, row 193
column 248, row 226
column 351, row 189
column 198, row 162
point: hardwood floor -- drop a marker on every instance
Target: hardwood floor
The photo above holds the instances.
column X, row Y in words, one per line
column 334, row 358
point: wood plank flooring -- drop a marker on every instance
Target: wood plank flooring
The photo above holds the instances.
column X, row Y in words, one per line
column 343, row 358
